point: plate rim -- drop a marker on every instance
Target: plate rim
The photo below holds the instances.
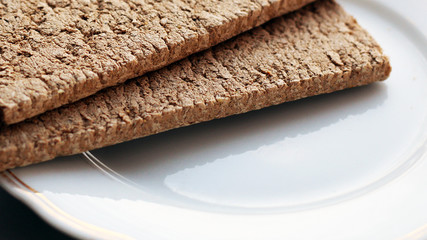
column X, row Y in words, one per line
column 52, row 214
column 74, row 227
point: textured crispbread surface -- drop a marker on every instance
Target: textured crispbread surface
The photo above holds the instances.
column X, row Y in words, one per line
column 316, row 50
column 54, row 52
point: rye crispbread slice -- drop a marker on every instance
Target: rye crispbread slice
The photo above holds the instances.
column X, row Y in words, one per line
column 54, row 52
column 316, row 50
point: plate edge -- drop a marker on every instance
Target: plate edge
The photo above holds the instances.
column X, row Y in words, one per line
column 52, row 214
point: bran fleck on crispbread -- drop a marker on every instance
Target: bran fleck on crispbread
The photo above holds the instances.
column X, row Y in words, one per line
column 316, row 50
column 54, row 52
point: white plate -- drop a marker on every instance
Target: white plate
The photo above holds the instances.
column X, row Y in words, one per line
column 348, row 165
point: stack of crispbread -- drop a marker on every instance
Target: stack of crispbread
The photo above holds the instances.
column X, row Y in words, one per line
column 58, row 52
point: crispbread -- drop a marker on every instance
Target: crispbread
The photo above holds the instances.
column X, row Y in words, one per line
column 54, row 52
column 316, row 50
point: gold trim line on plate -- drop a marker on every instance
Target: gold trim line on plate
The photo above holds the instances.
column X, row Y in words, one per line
column 419, row 233
column 21, row 182
column 57, row 213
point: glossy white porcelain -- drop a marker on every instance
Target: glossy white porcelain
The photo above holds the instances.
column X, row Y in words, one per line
column 347, row 165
